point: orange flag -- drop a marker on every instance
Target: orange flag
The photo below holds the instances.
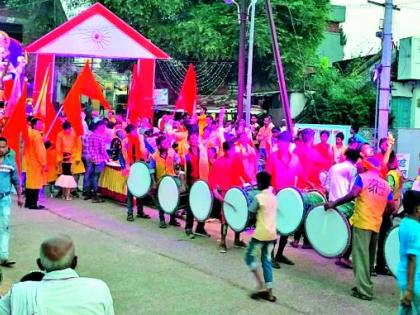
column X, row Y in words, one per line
column 73, row 110
column 187, row 98
column 40, row 108
column 50, row 119
column 16, row 93
column 88, row 86
column 140, row 98
column 134, row 96
column 85, row 84
column 17, row 126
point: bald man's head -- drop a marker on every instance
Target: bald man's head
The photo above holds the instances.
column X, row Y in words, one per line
column 57, row 253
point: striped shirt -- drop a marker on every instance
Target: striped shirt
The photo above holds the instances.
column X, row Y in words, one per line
column 8, row 173
column 96, row 149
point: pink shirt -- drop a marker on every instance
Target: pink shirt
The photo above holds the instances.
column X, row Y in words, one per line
column 284, row 170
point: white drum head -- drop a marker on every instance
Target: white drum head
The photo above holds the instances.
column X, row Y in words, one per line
column 328, row 231
column 139, row 180
column 236, row 216
column 168, row 194
column 392, row 250
column 290, row 210
column 201, row 200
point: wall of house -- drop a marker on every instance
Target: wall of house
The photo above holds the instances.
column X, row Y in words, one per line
column 405, row 104
column 331, row 46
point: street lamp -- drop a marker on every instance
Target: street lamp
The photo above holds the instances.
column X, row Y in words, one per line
column 230, row 2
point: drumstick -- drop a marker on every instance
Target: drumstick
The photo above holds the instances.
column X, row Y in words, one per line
column 230, row 205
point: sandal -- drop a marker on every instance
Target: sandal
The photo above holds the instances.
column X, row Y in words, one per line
column 355, row 293
column 265, row 295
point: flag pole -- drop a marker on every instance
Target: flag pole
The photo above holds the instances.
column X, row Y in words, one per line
column 53, row 122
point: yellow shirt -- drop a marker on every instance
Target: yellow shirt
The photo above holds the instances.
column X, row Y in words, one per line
column 164, row 166
column 266, row 216
column 371, row 203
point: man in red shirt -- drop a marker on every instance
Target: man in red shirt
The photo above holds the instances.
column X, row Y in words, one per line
column 325, row 149
column 227, row 172
column 285, row 169
column 312, row 161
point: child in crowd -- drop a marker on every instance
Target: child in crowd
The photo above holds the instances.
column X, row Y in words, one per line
column 265, row 206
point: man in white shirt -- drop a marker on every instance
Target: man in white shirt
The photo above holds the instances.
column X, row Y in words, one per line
column 342, row 175
column 61, row 291
column 339, row 182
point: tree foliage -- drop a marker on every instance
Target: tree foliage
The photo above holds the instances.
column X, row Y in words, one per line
column 208, row 30
column 339, row 98
column 199, row 30
column 42, row 16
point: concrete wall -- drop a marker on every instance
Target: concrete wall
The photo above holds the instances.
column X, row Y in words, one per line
column 331, row 47
column 409, row 89
column 408, row 142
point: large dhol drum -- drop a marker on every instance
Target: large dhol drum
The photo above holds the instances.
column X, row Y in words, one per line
column 346, row 209
column 292, row 206
column 328, row 231
column 392, row 249
column 139, row 180
column 169, row 193
column 235, row 207
column 201, row 200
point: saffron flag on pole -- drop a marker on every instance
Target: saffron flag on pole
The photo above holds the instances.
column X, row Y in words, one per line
column 73, row 109
column 187, row 98
column 17, row 126
column 134, row 97
column 85, row 84
column 40, row 108
column 88, row 86
column 14, row 96
column 140, row 98
column 52, row 124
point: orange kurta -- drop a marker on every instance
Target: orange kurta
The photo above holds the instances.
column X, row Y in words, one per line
column 70, row 143
column 35, row 156
column 53, row 171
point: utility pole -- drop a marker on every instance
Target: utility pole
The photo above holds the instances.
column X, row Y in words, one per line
column 241, row 62
column 385, row 70
column 279, row 68
column 250, row 64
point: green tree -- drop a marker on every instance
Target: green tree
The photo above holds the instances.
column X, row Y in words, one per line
column 199, row 30
column 42, row 16
column 208, row 30
column 337, row 97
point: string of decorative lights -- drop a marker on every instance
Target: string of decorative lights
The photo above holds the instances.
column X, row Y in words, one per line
column 205, row 85
column 209, row 75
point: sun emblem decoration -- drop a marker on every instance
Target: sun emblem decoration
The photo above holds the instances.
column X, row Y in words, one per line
column 98, row 37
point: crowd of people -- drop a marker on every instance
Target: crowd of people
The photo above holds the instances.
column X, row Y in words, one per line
column 226, row 154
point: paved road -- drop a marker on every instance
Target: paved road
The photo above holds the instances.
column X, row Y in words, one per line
column 154, row 271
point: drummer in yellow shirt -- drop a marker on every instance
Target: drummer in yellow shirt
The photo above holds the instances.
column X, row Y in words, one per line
column 265, row 206
column 373, row 196
column 166, row 159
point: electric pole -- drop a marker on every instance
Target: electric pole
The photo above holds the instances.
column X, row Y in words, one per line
column 241, row 57
column 385, row 70
column 279, row 68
